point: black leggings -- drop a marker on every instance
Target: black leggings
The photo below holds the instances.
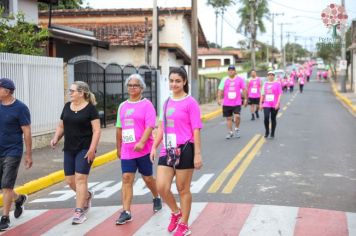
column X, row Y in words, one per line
column 269, row 111
column 301, row 87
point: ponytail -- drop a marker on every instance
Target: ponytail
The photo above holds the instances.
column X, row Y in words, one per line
column 88, row 95
column 92, row 98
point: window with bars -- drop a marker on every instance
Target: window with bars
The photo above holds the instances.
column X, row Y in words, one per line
column 5, row 4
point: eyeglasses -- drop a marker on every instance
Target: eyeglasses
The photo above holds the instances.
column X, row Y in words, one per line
column 135, row 86
column 72, row 91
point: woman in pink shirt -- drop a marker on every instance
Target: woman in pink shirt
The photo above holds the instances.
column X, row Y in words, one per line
column 270, row 102
column 254, row 94
column 180, row 154
column 136, row 118
column 291, row 82
column 301, row 82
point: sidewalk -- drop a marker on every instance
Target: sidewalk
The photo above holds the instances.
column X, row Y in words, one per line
column 46, row 160
column 348, row 98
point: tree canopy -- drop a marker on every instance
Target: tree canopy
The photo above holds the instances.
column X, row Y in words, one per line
column 63, row 4
column 21, row 37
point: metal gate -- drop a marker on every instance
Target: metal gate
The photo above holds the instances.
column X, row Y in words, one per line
column 107, row 83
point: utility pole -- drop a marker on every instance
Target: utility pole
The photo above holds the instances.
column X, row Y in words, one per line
column 252, row 30
column 295, row 43
column 194, row 49
column 273, row 15
column 155, row 48
column 216, row 25
column 343, row 53
column 283, row 49
column 146, row 42
column 288, row 41
column 222, row 26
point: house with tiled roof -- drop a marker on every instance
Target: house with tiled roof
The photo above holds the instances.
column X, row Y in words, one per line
column 125, row 30
column 212, row 60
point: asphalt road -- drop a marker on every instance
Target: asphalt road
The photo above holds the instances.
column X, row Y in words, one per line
column 310, row 163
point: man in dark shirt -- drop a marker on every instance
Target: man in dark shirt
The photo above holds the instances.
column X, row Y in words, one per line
column 15, row 121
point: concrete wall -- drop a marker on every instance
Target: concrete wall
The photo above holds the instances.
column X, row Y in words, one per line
column 212, row 60
column 29, row 7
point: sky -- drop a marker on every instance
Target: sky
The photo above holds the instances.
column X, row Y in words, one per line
column 302, row 19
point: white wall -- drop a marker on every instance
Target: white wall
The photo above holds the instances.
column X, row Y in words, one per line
column 29, row 7
column 176, row 30
column 218, row 57
column 121, row 55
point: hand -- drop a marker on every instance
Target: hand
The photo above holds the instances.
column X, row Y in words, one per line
column 153, row 154
column 118, row 154
column 54, row 142
column 277, row 106
column 198, row 163
column 245, row 103
column 28, row 160
column 219, row 102
column 261, row 107
column 139, row 146
column 90, row 156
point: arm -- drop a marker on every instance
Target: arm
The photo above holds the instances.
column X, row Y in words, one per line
column 58, row 134
column 244, row 91
column 140, row 145
column 157, row 141
column 198, row 162
column 94, row 140
column 220, row 93
column 118, row 141
column 261, row 101
column 28, row 143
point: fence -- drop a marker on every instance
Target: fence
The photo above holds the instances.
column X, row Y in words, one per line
column 106, row 81
column 208, row 89
column 39, row 84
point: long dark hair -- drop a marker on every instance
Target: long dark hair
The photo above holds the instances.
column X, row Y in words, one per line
column 182, row 73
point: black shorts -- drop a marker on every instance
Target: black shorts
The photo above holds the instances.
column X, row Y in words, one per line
column 9, row 167
column 186, row 158
column 228, row 111
column 255, row 101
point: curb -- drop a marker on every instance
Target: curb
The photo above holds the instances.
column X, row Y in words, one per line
column 58, row 176
column 344, row 99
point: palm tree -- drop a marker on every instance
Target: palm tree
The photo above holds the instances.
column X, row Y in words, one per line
column 261, row 11
column 219, row 6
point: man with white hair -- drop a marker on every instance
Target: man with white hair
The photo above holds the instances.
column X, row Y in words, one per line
column 15, row 121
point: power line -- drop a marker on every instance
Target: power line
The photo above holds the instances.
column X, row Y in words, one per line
column 293, row 8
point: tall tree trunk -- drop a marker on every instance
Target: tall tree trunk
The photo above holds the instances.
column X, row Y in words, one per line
column 222, row 25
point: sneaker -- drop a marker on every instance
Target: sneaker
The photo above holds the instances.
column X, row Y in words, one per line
column 266, row 135
column 19, row 205
column 182, row 230
column 229, row 135
column 175, row 217
column 252, row 116
column 157, row 204
column 79, row 216
column 272, row 135
column 237, row 133
column 125, row 217
column 88, row 203
column 4, row 223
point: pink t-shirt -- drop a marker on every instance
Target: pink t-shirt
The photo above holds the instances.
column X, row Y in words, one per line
column 272, row 91
column 134, row 118
column 325, row 74
column 301, row 80
column 183, row 117
column 254, row 88
column 232, row 91
column 291, row 81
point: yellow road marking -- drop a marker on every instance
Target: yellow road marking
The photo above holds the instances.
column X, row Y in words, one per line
column 279, row 115
column 221, row 178
column 288, row 103
column 239, row 172
column 285, row 108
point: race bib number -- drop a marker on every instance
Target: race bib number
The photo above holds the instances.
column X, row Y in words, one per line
column 253, row 90
column 231, row 95
column 128, row 136
column 269, row 97
column 171, row 141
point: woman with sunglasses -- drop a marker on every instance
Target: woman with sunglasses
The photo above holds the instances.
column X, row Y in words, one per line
column 180, row 124
column 136, row 118
column 80, row 126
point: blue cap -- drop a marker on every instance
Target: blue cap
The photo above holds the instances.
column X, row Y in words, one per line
column 231, row 67
column 7, row 83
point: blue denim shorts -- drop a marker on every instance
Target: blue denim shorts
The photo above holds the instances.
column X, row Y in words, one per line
column 143, row 164
column 74, row 162
column 9, row 167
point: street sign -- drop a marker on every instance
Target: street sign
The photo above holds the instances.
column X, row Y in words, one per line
column 343, row 65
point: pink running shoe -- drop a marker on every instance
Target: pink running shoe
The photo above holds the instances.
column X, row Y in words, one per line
column 182, row 230
column 175, row 217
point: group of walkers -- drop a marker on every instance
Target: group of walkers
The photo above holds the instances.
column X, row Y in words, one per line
column 259, row 94
column 178, row 135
